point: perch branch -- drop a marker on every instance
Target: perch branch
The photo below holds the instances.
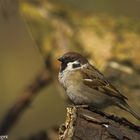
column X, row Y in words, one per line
column 84, row 124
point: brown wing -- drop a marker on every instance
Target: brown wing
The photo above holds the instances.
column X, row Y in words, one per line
column 96, row 80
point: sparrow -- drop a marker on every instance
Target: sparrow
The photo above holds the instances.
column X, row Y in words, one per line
column 86, row 85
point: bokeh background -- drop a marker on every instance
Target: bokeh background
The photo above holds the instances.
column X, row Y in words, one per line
column 35, row 31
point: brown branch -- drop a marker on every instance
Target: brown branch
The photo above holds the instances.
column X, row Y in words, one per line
column 13, row 114
column 41, row 135
column 83, row 124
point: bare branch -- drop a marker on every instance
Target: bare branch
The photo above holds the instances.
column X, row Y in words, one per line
column 13, row 114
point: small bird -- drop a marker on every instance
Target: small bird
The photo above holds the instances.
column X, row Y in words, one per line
column 86, row 85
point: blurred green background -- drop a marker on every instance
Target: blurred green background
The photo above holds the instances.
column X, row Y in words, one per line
column 106, row 32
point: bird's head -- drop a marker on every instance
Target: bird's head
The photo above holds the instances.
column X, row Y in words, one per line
column 72, row 60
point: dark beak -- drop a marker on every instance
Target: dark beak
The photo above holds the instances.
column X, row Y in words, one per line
column 60, row 59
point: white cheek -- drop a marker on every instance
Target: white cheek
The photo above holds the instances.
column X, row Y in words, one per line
column 70, row 65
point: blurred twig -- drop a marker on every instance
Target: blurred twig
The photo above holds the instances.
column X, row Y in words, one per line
column 22, row 103
column 41, row 135
column 9, row 9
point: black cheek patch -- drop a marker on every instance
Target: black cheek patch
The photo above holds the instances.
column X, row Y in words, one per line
column 76, row 65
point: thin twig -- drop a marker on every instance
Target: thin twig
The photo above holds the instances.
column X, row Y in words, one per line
column 13, row 114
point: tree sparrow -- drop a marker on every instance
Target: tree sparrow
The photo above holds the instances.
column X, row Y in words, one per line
column 86, row 85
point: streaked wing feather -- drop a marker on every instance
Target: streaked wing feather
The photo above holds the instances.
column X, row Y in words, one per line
column 97, row 81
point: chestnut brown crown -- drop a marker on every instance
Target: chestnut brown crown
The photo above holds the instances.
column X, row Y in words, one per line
column 71, row 57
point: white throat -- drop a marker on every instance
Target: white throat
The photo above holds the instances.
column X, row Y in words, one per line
column 70, row 65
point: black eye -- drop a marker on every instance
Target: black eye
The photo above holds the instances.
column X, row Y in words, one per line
column 76, row 65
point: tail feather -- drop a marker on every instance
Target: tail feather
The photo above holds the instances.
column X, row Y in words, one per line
column 127, row 108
